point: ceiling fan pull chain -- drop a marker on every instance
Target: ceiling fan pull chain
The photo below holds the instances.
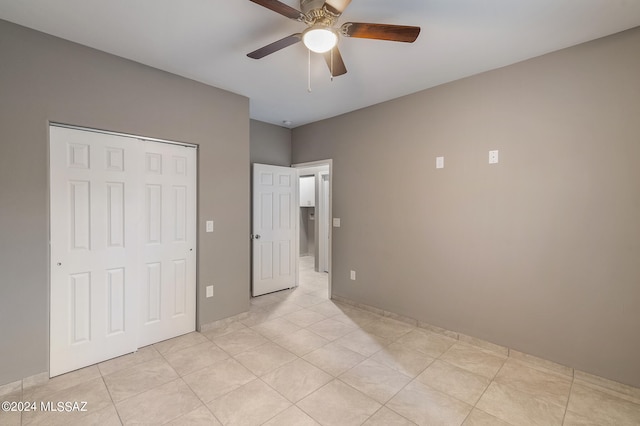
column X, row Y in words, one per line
column 332, row 63
column 309, row 72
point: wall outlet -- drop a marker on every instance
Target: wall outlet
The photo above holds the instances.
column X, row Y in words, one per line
column 353, row 275
column 209, row 291
column 493, row 157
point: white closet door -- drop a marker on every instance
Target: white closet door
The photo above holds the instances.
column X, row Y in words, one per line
column 123, row 245
column 168, row 250
column 275, row 231
column 94, row 274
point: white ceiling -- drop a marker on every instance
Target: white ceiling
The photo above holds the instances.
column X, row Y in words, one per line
column 207, row 40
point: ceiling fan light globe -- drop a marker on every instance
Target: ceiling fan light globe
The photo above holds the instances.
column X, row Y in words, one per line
column 320, row 40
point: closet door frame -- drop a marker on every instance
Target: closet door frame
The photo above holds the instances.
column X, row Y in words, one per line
column 112, row 208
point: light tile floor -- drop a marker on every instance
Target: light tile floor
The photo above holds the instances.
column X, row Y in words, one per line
column 299, row 359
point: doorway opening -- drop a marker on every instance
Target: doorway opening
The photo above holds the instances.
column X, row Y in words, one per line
column 283, row 266
column 314, row 254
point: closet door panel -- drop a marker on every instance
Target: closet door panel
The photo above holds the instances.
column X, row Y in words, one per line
column 94, row 270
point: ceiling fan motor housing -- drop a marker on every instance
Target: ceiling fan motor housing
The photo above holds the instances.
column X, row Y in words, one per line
column 308, row 5
column 315, row 13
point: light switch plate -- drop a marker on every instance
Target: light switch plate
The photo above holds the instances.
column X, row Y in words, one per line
column 353, row 275
column 493, row 157
column 336, row 222
column 439, row 162
column 209, row 291
column 209, row 226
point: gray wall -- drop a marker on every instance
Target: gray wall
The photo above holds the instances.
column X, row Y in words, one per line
column 270, row 144
column 541, row 252
column 44, row 79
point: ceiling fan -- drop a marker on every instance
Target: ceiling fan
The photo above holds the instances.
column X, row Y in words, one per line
column 321, row 35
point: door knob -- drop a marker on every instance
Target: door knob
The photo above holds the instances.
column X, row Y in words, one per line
column 257, row 237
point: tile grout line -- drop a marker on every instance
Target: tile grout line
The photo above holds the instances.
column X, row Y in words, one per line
column 302, row 409
column 161, row 384
column 111, row 397
column 293, row 404
column 298, row 357
column 566, row 408
column 257, row 377
column 475, row 406
column 399, row 390
column 182, row 414
column 483, row 392
column 204, row 404
column 165, row 360
column 364, row 360
column 376, row 412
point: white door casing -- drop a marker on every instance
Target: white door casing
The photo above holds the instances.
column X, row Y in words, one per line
column 123, row 240
column 323, row 222
column 275, row 228
column 93, row 248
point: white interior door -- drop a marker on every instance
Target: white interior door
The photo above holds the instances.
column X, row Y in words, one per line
column 168, row 235
column 123, row 245
column 275, row 228
column 94, row 273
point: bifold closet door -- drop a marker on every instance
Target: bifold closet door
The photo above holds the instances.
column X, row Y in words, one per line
column 168, row 242
column 94, row 271
column 123, row 245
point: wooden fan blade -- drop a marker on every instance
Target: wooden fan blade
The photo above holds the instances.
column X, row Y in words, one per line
column 337, row 67
column 280, row 8
column 388, row 32
column 337, row 7
column 275, row 46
